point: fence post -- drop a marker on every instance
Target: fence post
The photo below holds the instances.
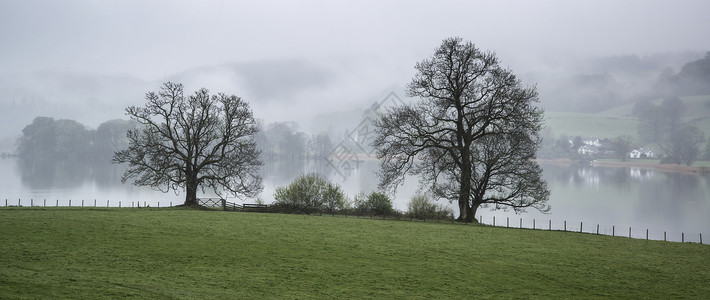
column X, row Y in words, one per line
column 45, row 202
column 494, row 220
column 521, row 222
column 701, row 239
column 534, row 224
column 550, row 226
column 597, row 228
column 18, row 202
column 5, row 202
column 82, row 202
column 647, row 234
column 32, row 202
column 57, row 205
column 565, row 225
column 94, row 202
column 69, row 202
column 613, row 229
column 664, row 236
column 580, row 226
column 171, row 204
column 480, row 219
column 682, row 237
column 629, row 232
column 507, row 222
column 106, row 203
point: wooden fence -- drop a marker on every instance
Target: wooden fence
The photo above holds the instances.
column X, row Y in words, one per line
column 231, row 206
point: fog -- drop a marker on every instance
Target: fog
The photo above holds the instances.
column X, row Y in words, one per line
column 315, row 61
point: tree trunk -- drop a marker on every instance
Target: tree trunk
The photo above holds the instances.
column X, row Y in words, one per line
column 465, row 211
column 191, row 196
column 472, row 212
column 191, row 189
column 465, row 190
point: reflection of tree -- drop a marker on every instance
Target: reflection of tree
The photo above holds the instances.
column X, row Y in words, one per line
column 667, row 197
column 49, row 174
column 63, row 174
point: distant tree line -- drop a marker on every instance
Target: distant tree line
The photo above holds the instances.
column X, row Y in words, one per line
column 692, row 79
column 47, row 139
column 283, row 141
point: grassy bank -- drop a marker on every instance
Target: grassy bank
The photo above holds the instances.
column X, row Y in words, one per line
column 178, row 253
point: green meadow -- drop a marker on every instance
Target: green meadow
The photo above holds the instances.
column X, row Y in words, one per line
column 87, row 253
column 619, row 120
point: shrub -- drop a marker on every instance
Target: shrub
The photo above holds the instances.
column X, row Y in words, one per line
column 360, row 205
column 309, row 193
column 379, row 204
column 333, row 198
column 422, row 208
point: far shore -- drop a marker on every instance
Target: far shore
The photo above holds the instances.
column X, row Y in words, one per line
column 643, row 164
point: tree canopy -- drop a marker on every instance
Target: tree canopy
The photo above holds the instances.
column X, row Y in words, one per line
column 471, row 135
column 192, row 142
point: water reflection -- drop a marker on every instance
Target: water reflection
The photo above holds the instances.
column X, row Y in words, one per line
column 47, row 175
column 596, row 177
column 631, row 197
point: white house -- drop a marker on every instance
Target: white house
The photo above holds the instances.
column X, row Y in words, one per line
column 592, row 142
column 587, row 150
column 641, row 153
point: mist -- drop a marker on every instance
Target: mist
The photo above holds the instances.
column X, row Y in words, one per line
column 319, row 63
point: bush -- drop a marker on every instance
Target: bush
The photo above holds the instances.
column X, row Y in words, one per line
column 309, row 193
column 333, row 198
column 360, row 205
column 379, row 204
column 422, row 208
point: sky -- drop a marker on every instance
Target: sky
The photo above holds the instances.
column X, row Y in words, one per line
column 296, row 60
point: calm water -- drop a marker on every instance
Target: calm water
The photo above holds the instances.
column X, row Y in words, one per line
column 614, row 198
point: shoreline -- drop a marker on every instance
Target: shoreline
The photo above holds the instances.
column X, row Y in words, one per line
column 698, row 170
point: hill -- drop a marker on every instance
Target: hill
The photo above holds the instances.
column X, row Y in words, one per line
column 178, row 253
column 619, row 120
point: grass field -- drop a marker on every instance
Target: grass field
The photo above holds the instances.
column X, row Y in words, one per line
column 590, row 125
column 179, row 253
column 618, row 120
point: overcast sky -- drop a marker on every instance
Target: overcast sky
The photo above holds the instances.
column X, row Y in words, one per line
column 346, row 49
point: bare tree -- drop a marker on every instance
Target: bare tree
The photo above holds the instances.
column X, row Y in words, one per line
column 622, row 145
column 683, row 146
column 193, row 142
column 472, row 136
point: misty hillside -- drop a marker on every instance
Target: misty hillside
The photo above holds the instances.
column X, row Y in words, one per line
column 619, row 120
column 595, row 97
column 600, row 84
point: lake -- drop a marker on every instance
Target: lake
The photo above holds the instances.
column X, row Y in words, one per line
column 615, row 198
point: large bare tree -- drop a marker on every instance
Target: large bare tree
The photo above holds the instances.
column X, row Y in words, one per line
column 471, row 137
column 192, row 143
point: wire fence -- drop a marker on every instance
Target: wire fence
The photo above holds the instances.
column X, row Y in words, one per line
column 84, row 203
column 521, row 223
column 594, row 228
